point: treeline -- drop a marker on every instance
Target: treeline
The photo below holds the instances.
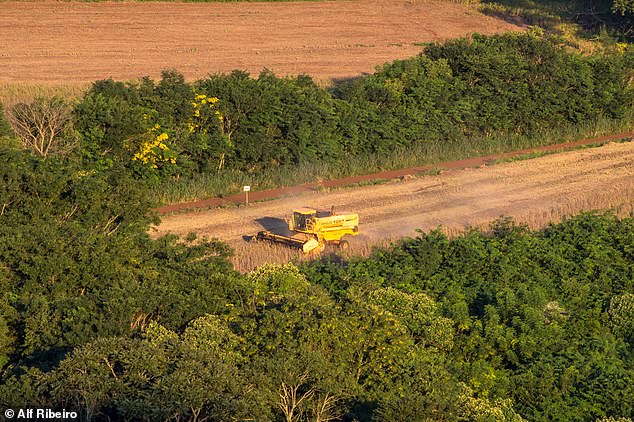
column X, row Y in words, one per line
column 453, row 92
column 513, row 83
column 542, row 319
column 97, row 317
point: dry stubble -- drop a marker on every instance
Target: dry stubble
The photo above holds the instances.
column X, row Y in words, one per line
column 534, row 192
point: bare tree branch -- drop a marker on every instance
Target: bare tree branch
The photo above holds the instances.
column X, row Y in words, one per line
column 291, row 400
column 44, row 126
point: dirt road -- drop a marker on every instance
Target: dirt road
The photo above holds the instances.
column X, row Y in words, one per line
column 53, row 41
column 532, row 191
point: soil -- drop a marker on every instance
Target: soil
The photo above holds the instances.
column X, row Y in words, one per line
column 59, row 41
column 535, row 192
column 367, row 178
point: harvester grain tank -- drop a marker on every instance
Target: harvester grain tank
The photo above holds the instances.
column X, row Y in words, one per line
column 312, row 229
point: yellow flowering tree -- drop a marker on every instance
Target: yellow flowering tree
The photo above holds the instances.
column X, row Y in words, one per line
column 208, row 127
column 151, row 149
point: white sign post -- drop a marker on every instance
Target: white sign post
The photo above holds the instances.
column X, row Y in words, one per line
column 246, row 190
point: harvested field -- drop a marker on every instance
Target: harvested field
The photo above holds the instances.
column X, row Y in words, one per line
column 534, row 192
column 63, row 42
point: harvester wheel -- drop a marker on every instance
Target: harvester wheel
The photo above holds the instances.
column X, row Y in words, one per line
column 344, row 245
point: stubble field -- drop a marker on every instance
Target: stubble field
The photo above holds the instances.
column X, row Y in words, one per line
column 50, row 46
column 534, row 192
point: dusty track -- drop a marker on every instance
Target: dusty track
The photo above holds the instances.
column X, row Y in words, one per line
column 53, row 41
column 533, row 191
column 347, row 181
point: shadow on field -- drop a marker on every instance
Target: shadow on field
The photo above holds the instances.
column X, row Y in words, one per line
column 275, row 225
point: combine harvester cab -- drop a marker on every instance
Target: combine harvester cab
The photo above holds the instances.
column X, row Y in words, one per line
column 315, row 229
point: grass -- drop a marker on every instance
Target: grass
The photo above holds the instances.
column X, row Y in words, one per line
column 573, row 205
column 425, row 153
column 249, row 255
column 538, row 154
column 529, row 156
column 12, row 93
column 579, row 23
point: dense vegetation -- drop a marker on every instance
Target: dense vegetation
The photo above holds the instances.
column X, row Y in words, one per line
column 468, row 96
column 514, row 83
column 542, row 319
column 97, row 317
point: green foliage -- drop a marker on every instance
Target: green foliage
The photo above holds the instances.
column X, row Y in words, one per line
column 159, row 376
column 418, row 313
column 78, row 262
column 541, row 319
column 509, row 83
column 5, row 126
column 478, row 88
column 502, row 325
column 621, row 312
column 98, row 317
column 273, row 121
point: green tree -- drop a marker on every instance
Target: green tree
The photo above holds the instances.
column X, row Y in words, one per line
column 163, row 375
column 5, row 126
column 621, row 312
column 107, row 277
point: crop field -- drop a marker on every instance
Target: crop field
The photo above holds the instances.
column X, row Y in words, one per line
column 51, row 47
column 534, row 192
column 59, row 47
column 491, row 165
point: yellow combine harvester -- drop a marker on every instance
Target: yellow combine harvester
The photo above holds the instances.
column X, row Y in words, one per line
column 312, row 229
